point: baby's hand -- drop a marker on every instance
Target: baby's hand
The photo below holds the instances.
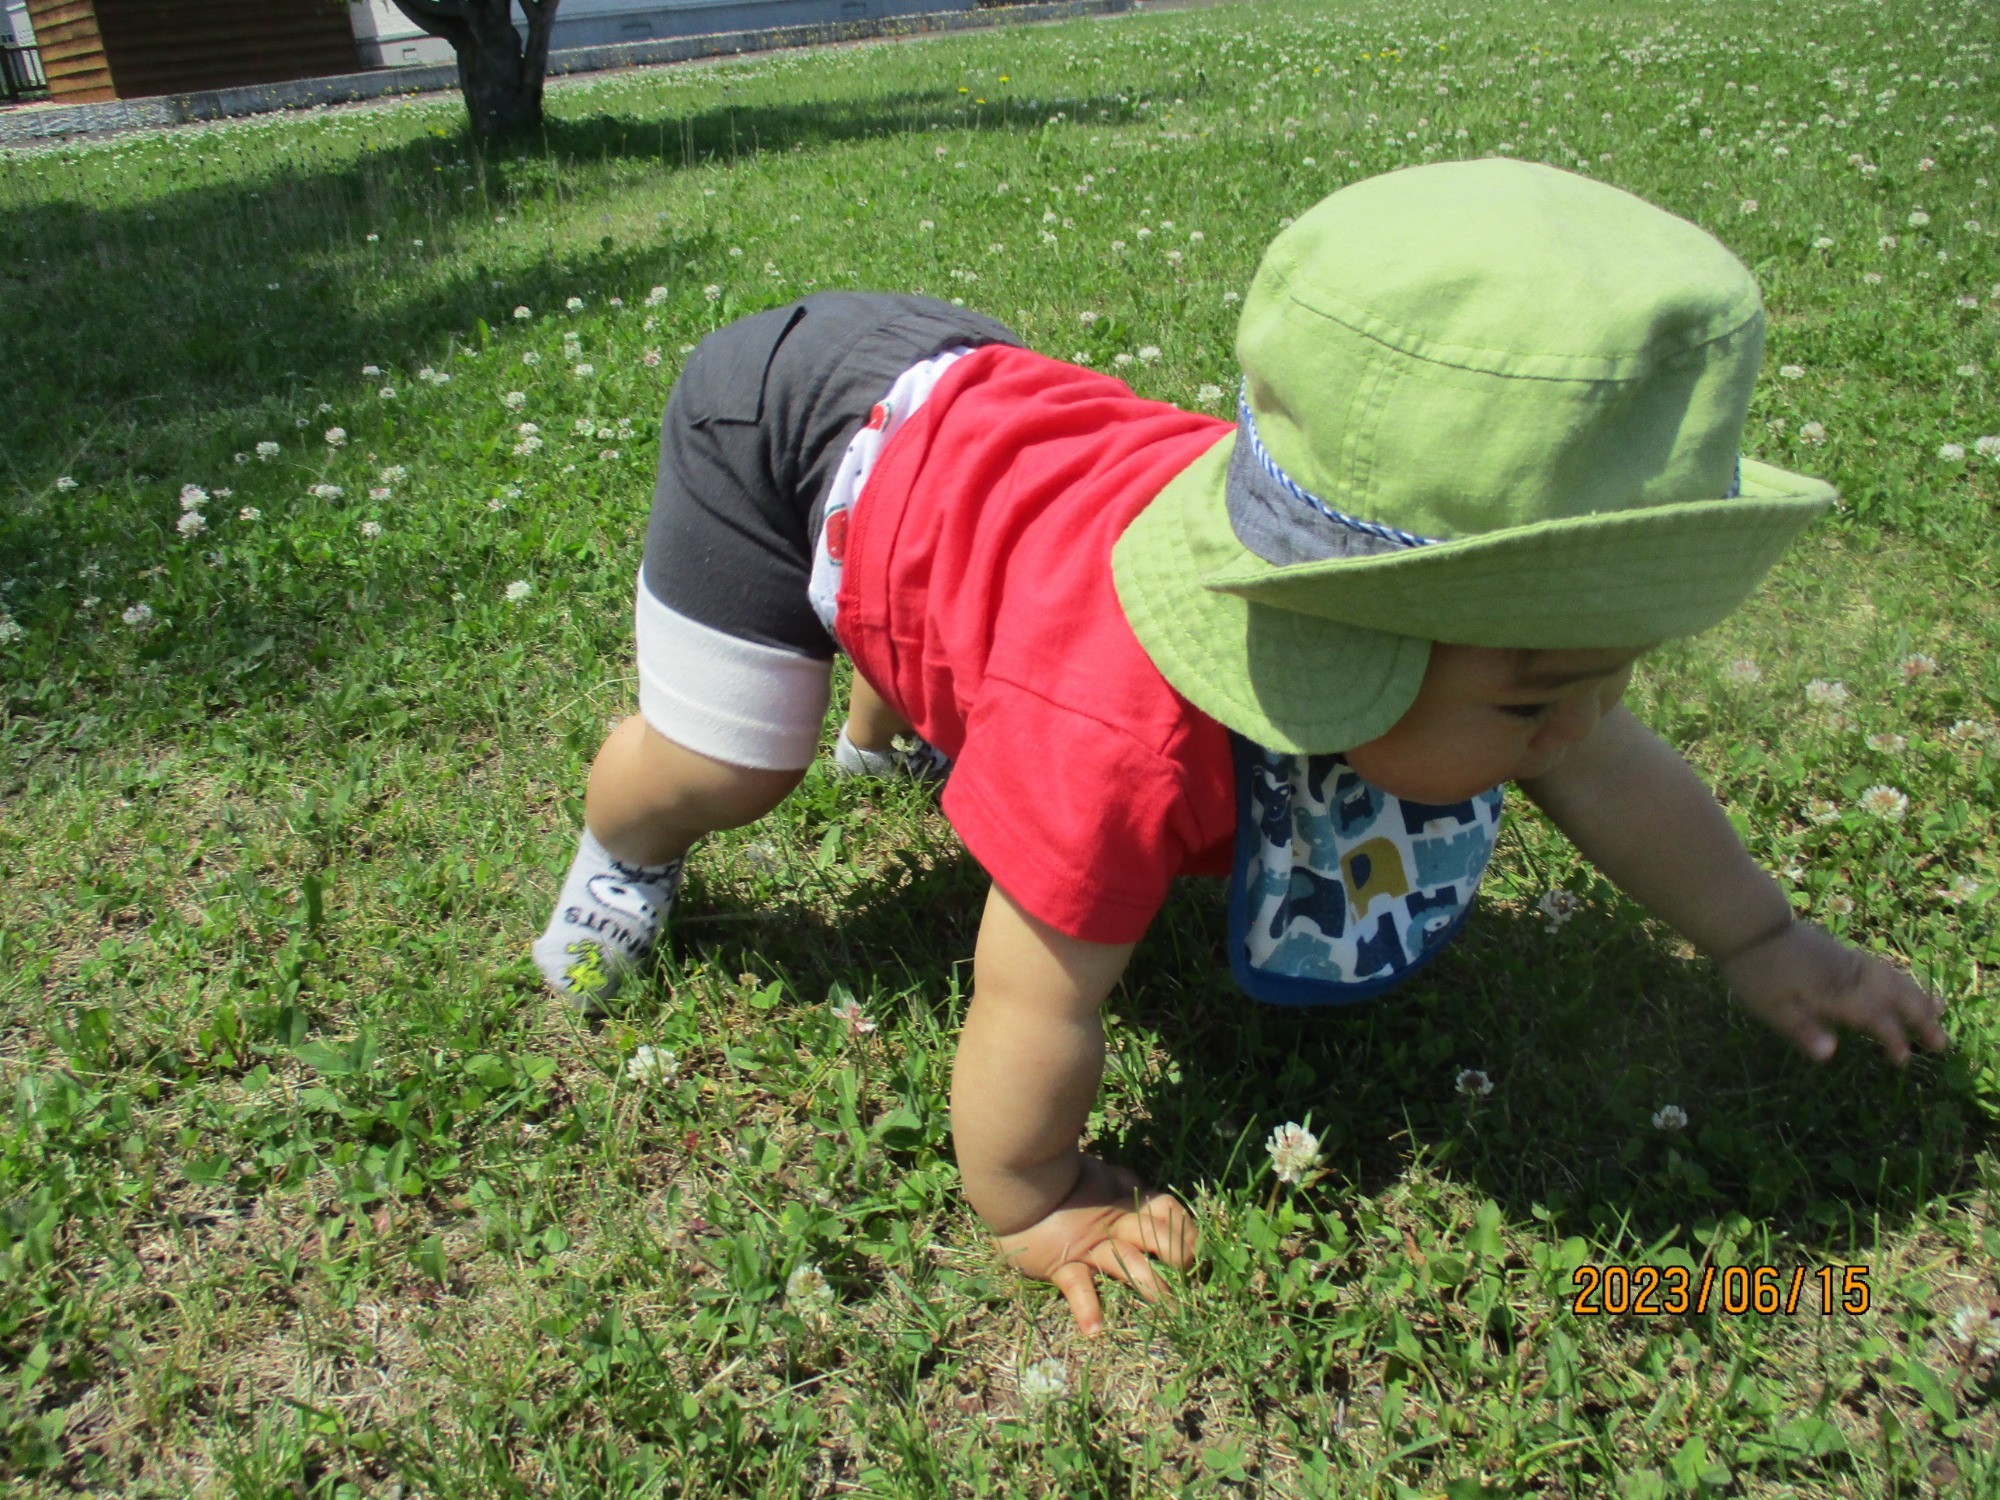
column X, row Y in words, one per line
column 1110, row 1222
column 1802, row 982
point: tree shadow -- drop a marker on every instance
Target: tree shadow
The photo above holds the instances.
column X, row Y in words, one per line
column 225, row 308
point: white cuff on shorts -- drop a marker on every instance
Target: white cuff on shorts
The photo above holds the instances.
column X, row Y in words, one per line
column 731, row 700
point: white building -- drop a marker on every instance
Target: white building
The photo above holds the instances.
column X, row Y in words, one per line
column 390, row 39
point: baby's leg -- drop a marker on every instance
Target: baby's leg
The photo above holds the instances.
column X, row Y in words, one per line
column 648, row 800
column 871, row 723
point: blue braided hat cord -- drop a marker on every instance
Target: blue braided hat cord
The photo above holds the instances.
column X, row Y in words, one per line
column 1298, row 492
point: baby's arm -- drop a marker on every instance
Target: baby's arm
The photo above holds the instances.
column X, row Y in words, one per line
column 1640, row 814
column 1029, row 1061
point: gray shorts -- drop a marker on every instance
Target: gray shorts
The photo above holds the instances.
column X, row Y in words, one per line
column 733, row 663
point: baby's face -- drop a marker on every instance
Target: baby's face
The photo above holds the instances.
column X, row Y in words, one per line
column 1485, row 715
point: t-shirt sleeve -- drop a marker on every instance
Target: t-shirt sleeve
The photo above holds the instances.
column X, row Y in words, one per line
column 1080, row 823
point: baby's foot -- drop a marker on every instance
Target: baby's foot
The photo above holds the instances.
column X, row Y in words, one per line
column 907, row 758
column 606, row 923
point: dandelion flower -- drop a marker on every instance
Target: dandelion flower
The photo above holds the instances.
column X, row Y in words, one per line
column 649, row 1066
column 1294, row 1151
column 1885, row 802
column 266, row 451
column 1823, row 694
column 138, row 615
column 1670, row 1118
column 1473, row 1083
column 1043, row 1381
column 807, row 1286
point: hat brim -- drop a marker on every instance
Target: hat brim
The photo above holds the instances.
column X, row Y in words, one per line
column 1322, row 656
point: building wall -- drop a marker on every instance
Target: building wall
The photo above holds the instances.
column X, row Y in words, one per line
column 127, row 49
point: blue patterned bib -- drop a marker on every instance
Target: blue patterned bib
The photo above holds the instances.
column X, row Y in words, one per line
column 1339, row 889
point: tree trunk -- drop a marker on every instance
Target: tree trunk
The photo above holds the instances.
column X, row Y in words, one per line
column 500, row 78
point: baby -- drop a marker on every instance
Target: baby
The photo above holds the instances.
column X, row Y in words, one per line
column 1486, row 455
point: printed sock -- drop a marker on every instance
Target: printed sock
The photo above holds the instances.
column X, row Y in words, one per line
column 606, row 922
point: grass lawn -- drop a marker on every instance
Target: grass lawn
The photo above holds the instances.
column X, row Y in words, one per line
column 328, row 448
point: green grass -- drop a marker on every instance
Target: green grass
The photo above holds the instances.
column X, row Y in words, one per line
column 306, row 1189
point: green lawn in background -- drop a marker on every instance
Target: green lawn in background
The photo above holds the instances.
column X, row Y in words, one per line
column 327, row 448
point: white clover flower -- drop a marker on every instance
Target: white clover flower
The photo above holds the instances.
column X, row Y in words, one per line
column 326, row 492
column 1887, row 242
column 1473, row 1083
column 1043, row 1381
column 531, row 359
column 584, row 371
column 1747, row 206
column 657, row 297
column 1919, row 219
column 266, row 451
column 1840, row 904
column 1872, row 278
column 1742, row 672
column 1670, row 1118
column 1884, row 802
column 380, row 492
column 1208, row 395
column 712, row 292
column 1951, row 453
column 1792, row 372
column 575, row 304
column 850, row 1014
column 138, row 615
column 371, row 371
column 807, row 1286
column 1294, row 1151
column 1812, row 432
column 191, row 523
column 528, row 445
column 394, row 474
column 496, row 504
column 1559, row 905
column 10, row 629
column 193, row 497
column 1986, row 447
column 1979, row 1327
column 336, row 437
column 1970, row 731
column 1149, row 353
column 1962, row 888
column 1888, row 744
column 650, row 359
column 608, row 455
column 249, row 513
column 222, row 492
column 649, row 1066
column 65, row 483
column 371, row 529
column 1916, row 665
column 1820, row 812
column 1823, row 243
column 388, row 392
column 522, row 313
column 1823, row 694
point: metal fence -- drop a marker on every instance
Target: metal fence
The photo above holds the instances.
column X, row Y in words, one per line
column 21, row 75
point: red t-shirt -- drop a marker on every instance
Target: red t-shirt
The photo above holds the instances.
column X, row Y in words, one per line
column 977, row 599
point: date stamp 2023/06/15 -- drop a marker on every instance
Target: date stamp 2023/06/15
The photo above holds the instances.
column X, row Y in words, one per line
column 1672, row 1291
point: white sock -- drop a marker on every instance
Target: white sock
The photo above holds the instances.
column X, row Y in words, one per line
column 607, row 921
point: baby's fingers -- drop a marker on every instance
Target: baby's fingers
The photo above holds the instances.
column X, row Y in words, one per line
column 1078, row 1284
column 1162, row 1227
column 1126, row 1262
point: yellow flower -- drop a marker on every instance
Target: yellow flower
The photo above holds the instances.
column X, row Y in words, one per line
column 965, row 91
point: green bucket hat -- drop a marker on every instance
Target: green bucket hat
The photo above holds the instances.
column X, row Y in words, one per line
column 1486, row 402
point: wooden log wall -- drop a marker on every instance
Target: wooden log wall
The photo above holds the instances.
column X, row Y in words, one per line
column 130, row 49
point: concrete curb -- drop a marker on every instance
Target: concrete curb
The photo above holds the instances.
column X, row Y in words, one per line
column 38, row 125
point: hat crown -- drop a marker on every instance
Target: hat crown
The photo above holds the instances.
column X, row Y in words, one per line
column 1468, row 346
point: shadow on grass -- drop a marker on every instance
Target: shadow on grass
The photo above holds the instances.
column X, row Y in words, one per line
column 1583, row 1033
